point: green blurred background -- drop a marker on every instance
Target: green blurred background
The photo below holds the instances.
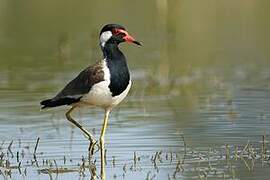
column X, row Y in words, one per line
column 179, row 32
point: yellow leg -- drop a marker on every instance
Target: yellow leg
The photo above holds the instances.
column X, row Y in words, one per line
column 86, row 133
column 102, row 156
column 105, row 122
column 102, row 152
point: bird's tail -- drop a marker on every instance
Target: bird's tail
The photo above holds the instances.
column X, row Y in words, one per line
column 49, row 103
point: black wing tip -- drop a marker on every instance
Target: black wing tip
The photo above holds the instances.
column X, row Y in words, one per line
column 46, row 103
column 49, row 103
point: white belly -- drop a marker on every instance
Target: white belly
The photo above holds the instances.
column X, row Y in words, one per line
column 100, row 95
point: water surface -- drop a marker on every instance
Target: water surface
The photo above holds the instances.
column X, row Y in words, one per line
column 200, row 89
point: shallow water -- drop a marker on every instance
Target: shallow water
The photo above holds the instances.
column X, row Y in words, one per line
column 199, row 90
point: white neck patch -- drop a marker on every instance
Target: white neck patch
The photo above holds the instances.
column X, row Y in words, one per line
column 104, row 37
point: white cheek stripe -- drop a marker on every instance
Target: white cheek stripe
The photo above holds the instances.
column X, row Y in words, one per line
column 104, row 37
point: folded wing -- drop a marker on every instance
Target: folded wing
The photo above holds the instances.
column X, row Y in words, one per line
column 76, row 88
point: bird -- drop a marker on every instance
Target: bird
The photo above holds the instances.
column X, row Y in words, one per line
column 104, row 84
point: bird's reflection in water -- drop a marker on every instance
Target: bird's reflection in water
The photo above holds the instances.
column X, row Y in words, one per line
column 92, row 165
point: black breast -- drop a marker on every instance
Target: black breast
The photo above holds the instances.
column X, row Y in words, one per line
column 119, row 76
column 119, row 72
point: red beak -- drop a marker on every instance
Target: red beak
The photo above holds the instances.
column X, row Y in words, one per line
column 129, row 38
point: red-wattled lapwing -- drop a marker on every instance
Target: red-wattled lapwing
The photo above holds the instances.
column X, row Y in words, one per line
column 104, row 84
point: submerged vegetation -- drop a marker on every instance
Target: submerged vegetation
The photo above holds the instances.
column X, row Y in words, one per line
column 20, row 160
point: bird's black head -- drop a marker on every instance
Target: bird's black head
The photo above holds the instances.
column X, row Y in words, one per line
column 115, row 33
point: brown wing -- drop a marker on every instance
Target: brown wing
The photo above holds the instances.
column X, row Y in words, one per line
column 76, row 88
column 83, row 82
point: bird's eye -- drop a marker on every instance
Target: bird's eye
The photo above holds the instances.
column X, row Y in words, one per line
column 115, row 31
column 118, row 32
column 121, row 34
